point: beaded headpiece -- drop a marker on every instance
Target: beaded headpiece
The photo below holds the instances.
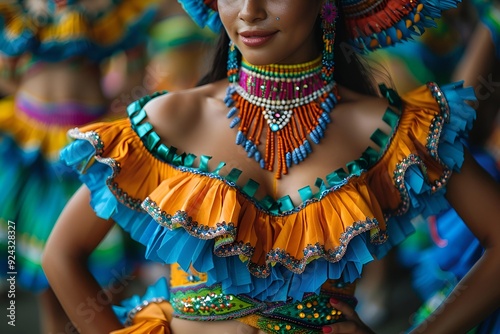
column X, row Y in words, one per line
column 371, row 24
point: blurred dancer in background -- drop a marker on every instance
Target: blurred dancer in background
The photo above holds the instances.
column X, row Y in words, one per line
column 51, row 55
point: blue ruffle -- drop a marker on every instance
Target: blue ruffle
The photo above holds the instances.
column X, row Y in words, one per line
column 440, row 268
column 454, row 135
column 172, row 246
column 178, row 246
column 156, row 292
column 31, row 186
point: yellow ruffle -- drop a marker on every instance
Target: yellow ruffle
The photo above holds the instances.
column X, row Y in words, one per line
column 29, row 134
column 14, row 20
column 210, row 202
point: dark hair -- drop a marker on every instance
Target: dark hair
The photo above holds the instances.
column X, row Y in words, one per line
column 349, row 71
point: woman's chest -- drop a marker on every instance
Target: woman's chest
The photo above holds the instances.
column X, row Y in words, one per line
column 335, row 151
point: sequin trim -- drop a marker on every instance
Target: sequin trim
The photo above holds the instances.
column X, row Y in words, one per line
column 437, row 123
column 133, row 312
column 204, row 303
column 94, row 139
column 435, row 131
column 210, row 303
column 226, row 245
column 399, row 179
column 311, row 313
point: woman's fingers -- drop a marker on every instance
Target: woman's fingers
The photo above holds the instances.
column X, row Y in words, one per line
column 352, row 325
column 346, row 309
column 345, row 327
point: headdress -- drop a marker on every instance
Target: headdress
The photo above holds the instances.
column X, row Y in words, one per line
column 371, row 24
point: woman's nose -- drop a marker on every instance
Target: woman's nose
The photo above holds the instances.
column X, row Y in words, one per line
column 252, row 11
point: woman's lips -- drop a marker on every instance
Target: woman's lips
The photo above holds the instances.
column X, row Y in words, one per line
column 257, row 38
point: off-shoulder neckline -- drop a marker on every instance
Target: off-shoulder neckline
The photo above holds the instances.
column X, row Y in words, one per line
column 185, row 162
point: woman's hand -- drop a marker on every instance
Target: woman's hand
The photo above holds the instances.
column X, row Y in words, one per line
column 352, row 324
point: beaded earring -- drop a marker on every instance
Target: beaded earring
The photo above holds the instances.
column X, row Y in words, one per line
column 328, row 17
column 232, row 63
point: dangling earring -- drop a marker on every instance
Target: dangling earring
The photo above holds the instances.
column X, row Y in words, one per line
column 232, row 63
column 328, row 17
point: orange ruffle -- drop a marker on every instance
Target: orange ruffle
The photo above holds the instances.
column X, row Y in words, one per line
column 154, row 318
column 217, row 210
column 419, row 110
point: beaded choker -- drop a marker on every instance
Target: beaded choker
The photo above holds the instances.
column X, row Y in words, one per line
column 292, row 102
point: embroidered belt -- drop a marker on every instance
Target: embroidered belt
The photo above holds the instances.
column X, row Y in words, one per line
column 203, row 303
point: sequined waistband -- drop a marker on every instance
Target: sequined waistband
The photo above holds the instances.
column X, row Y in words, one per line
column 203, row 303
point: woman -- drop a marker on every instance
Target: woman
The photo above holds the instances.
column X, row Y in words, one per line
column 243, row 250
column 52, row 53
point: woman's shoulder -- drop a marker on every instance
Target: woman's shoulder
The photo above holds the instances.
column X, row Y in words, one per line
column 177, row 114
column 358, row 116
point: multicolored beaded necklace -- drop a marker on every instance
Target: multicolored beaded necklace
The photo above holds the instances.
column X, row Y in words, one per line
column 294, row 101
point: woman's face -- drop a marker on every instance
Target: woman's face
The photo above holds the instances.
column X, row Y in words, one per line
column 272, row 31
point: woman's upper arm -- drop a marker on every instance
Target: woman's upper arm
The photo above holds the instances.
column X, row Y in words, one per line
column 475, row 195
column 78, row 230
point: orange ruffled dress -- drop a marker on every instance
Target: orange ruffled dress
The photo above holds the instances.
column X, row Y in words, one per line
column 235, row 257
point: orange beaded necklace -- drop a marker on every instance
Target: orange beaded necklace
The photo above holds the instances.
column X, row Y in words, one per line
column 293, row 100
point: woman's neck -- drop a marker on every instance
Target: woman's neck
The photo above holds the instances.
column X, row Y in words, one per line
column 281, row 82
column 294, row 101
column 280, row 88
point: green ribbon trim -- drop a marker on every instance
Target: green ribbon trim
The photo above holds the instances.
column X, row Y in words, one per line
column 143, row 129
column 152, row 140
column 391, row 96
column 380, row 138
column 267, row 202
column 306, row 193
column 233, row 175
column 204, row 163
column 285, row 203
column 250, row 188
column 391, row 118
column 369, row 157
